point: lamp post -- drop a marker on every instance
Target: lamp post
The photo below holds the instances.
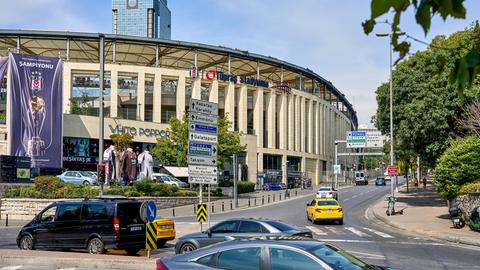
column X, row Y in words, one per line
column 392, row 191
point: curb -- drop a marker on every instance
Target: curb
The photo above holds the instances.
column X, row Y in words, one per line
column 453, row 239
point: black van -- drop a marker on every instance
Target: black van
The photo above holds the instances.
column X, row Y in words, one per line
column 95, row 225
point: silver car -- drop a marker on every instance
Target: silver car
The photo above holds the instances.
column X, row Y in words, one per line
column 286, row 253
column 237, row 228
column 78, row 177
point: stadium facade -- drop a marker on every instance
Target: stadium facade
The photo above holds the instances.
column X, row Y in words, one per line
column 289, row 116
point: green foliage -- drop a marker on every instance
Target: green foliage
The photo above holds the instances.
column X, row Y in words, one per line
column 470, row 188
column 144, row 186
column 245, row 187
column 3, row 117
column 187, row 193
column 216, row 192
column 48, row 184
column 121, row 141
column 82, row 106
column 459, row 165
column 467, row 67
column 174, row 149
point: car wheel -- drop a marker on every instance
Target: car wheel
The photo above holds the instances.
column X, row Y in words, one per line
column 161, row 243
column 187, row 247
column 86, row 183
column 340, row 222
column 26, row 243
column 133, row 252
column 96, row 246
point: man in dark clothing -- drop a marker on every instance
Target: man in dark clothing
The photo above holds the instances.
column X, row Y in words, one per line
column 424, row 182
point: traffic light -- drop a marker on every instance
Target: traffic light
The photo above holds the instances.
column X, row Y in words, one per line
column 101, row 174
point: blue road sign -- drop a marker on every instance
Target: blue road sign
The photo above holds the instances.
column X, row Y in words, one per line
column 203, row 128
column 151, row 211
column 202, row 149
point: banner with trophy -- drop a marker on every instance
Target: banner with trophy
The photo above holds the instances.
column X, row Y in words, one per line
column 36, row 109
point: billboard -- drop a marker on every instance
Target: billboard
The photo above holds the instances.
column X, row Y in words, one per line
column 36, row 109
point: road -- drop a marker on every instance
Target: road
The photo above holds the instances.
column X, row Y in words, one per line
column 360, row 235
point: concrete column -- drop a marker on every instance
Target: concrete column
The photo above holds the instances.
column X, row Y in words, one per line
column 230, row 104
column 317, row 173
column 67, row 85
column 284, row 169
column 213, row 96
column 258, row 115
column 310, row 126
column 260, row 162
column 298, row 132
column 114, row 93
column 243, row 109
column 181, row 97
column 291, row 123
column 302, row 125
column 271, row 111
column 317, row 129
column 323, row 130
column 157, row 98
column 196, row 89
column 282, row 125
column 141, row 97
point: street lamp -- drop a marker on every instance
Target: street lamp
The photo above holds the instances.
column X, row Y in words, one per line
column 392, row 192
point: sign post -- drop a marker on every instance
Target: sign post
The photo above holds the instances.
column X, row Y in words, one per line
column 203, row 150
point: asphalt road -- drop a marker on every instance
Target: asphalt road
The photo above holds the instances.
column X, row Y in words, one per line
column 360, row 235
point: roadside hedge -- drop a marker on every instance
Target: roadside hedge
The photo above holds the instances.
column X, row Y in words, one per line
column 245, row 187
column 470, row 188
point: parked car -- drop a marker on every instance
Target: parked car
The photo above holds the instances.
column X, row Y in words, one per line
column 327, row 192
column 271, row 186
column 78, row 177
column 380, row 182
column 169, row 180
column 111, row 222
column 267, row 253
column 237, row 228
column 325, row 210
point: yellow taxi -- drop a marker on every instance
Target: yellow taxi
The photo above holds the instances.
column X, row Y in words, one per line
column 324, row 209
column 165, row 231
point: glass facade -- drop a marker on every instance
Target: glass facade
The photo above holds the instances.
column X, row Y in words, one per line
column 144, row 18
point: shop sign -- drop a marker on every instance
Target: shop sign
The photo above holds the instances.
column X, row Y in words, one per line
column 213, row 74
column 147, row 132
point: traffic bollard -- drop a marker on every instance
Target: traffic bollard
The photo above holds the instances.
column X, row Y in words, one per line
column 263, row 200
column 223, row 206
column 213, row 208
column 280, row 196
column 273, row 197
column 268, row 198
column 173, row 211
column 194, row 210
column 296, row 192
column 255, row 201
column 248, row 202
column 231, row 204
column 6, row 221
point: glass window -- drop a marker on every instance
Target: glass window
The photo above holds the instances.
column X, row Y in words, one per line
column 95, row 211
column 225, row 227
column 205, row 260
column 250, row 227
column 85, row 93
column 284, row 259
column 48, row 215
column 69, row 174
column 127, row 97
column 69, row 212
column 327, row 203
column 129, row 213
column 325, row 189
column 240, row 259
column 280, row 225
column 337, row 258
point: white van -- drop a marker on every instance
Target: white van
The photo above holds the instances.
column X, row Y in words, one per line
column 360, row 178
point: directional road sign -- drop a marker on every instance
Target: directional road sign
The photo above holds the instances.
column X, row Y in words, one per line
column 202, row 160
column 356, row 139
column 201, row 106
column 201, row 137
column 202, row 169
column 151, row 211
column 204, row 118
column 202, row 149
column 375, row 139
column 203, row 128
column 203, row 179
column 337, row 169
column 202, row 212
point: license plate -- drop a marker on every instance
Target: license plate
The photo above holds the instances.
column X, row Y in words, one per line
column 324, row 196
column 164, row 227
column 456, row 220
column 329, row 210
column 136, row 228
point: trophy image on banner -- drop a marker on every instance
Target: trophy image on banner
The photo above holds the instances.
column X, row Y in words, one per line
column 36, row 146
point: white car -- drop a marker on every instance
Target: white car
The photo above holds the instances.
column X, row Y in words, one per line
column 327, row 192
column 169, row 180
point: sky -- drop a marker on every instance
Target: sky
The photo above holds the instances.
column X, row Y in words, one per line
column 323, row 35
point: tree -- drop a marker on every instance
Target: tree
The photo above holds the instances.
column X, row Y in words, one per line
column 81, row 106
column 466, row 68
column 459, row 165
column 121, row 141
column 174, row 149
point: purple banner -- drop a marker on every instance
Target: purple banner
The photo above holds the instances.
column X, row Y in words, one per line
column 36, row 109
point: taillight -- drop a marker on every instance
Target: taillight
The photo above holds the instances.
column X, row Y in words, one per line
column 116, row 225
column 318, row 210
column 161, row 265
column 340, row 209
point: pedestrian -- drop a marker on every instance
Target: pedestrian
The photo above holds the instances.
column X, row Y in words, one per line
column 415, row 182
column 424, row 182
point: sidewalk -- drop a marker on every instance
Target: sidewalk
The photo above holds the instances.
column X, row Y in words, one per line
column 425, row 213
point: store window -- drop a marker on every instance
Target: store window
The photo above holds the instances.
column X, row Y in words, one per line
column 85, row 94
column 127, row 96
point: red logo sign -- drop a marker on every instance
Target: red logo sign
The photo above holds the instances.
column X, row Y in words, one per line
column 392, row 170
column 211, row 75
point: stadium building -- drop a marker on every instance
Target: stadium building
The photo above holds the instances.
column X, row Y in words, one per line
column 289, row 115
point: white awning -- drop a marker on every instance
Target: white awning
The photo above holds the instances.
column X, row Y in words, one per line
column 177, row 171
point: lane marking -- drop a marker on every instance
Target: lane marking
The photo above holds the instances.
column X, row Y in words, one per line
column 346, row 240
column 72, row 268
column 382, row 234
column 357, row 232
column 369, row 255
column 316, row 230
column 15, row 267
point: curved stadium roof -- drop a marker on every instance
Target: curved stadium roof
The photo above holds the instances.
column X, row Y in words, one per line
column 130, row 50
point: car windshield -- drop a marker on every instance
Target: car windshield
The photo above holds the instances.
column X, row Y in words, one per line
column 87, row 174
column 380, row 179
column 280, row 225
column 326, row 203
column 338, row 259
column 324, row 189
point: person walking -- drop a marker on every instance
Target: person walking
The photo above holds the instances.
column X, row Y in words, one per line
column 415, row 182
column 424, row 183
